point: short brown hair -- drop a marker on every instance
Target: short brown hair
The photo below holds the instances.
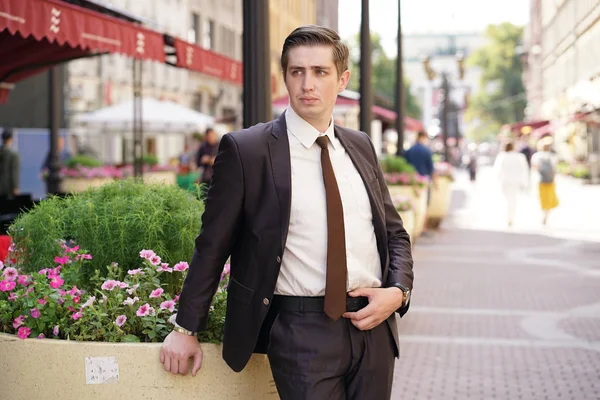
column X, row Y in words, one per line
column 314, row 35
column 509, row 146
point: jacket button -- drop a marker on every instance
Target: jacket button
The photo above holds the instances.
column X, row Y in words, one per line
column 278, row 259
column 266, row 301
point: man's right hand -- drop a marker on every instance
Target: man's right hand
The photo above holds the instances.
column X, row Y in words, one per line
column 176, row 352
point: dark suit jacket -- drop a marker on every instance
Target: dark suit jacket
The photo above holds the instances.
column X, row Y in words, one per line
column 247, row 216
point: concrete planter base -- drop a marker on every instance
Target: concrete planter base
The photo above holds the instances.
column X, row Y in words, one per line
column 439, row 202
column 162, row 177
column 419, row 199
column 62, row 369
column 408, row 220
column 75, row 185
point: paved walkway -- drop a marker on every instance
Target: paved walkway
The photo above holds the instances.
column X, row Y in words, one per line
column 501, row 313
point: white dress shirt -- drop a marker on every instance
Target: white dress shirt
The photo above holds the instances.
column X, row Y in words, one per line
column 304, row 261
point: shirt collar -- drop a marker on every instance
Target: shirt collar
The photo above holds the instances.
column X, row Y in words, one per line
column 305, row 132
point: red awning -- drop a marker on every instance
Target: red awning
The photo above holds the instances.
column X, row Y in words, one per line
column 517, row 126
column 410, row 124
column 46, row 32
column 197, row 59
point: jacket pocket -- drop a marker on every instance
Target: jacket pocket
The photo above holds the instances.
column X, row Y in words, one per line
column 240, row 292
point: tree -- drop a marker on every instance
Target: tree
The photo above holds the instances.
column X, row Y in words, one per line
column 383, row 76
column 501, row 98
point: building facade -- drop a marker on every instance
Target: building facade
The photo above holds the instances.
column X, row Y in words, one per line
column 285, row 16
column 327, row 13
column 211, row 24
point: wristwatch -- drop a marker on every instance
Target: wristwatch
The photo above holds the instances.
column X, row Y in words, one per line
column 178, row 328
column 405, row 294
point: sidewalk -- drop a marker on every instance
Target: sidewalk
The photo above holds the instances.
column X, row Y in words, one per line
column 501, row 313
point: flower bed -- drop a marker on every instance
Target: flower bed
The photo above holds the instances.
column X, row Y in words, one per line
column 76, row 324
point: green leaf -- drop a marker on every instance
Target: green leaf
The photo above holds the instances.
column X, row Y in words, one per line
column 130, row 339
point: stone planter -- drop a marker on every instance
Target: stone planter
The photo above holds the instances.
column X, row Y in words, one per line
column 53, row 369
column 162, row 177
column 439, row 202
column 419, row 199
column 408, row 220
column 75, row 185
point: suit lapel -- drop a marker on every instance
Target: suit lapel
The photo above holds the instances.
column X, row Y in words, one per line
column 369, row 177
column 279, row 151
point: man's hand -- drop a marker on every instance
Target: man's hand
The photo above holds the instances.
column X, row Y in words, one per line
column 382, row 303
column 176, row 352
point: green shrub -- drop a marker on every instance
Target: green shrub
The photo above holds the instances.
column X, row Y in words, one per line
column 580, row 171
column 150, row 160
column 392, row 164
column 114, row 223
column 83, row 161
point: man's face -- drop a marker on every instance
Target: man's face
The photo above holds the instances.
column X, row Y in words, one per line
column 312, row 81
column 211, row 137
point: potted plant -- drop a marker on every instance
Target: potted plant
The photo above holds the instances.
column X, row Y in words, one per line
column 402, row 180
column 153, row 172
column 439, row 202
column 102, row 322
column 405, row 207
column 82, row 172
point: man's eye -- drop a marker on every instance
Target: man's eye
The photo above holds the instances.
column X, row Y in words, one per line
column 321, row 72
column 296, row 72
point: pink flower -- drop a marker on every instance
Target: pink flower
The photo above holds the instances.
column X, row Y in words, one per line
column 7, row 286
column 176, row 298
column 156, row 293
column 76, row 299
column 24, row 280
column 35, row 313
column 61, row 260
column 42, row 301
column 168, row 305
column 120, row 320
column 24, row 332
column 129, row 301
column 55, row 330
column 74, row 291
column 89, row 302
column 13, row 296
column 77, row 315
column 56, row 282
column 80, row 257
column 62, row 292
column 181, row 266
column 227, row 269
column 110, row 285
column 31, row 289
column 164, row 267
column 132, row 290
column 41, row 336
column 147, row 254
column 44, row 271
column 1, row 265
column 135, row 271
column 10, row 274
column 72, row 249
column 151, row 311
column 154, row 260
column 123, row 285
column 20, row 320
column 143, row 310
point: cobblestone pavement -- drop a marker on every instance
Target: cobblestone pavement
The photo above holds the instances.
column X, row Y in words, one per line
column 505, row 313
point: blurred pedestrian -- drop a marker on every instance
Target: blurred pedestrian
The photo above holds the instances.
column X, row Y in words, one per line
column 512, row 172
column 545, row 163
column 10, row 166
column 205, row 157
column 421, row 157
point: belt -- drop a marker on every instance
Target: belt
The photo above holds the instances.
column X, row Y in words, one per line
column 315, row 304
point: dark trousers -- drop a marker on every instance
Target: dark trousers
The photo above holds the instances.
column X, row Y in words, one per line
column 313, row 357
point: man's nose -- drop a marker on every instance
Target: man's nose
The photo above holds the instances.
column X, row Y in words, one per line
column 308, row 83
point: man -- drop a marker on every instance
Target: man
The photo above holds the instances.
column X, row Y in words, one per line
column 320, row 261
column 421, row 157
column 205, row 158
column 63, row 155
column 10, row 166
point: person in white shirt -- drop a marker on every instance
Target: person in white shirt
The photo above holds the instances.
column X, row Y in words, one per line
column 320, row 261
column 512, row 171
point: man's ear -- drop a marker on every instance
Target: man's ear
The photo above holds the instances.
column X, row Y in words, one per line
column 344, row 80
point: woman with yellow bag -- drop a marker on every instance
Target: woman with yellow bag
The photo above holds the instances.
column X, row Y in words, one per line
column 545, row 163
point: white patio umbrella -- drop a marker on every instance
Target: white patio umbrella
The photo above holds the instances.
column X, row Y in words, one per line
column 157, row 116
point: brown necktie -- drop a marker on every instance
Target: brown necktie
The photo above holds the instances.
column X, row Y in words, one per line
column 335, row 286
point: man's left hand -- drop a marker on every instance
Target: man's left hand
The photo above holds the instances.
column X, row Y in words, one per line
column 382, row 303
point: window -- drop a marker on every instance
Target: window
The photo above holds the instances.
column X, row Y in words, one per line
column 208, row 34
column 194, row 31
